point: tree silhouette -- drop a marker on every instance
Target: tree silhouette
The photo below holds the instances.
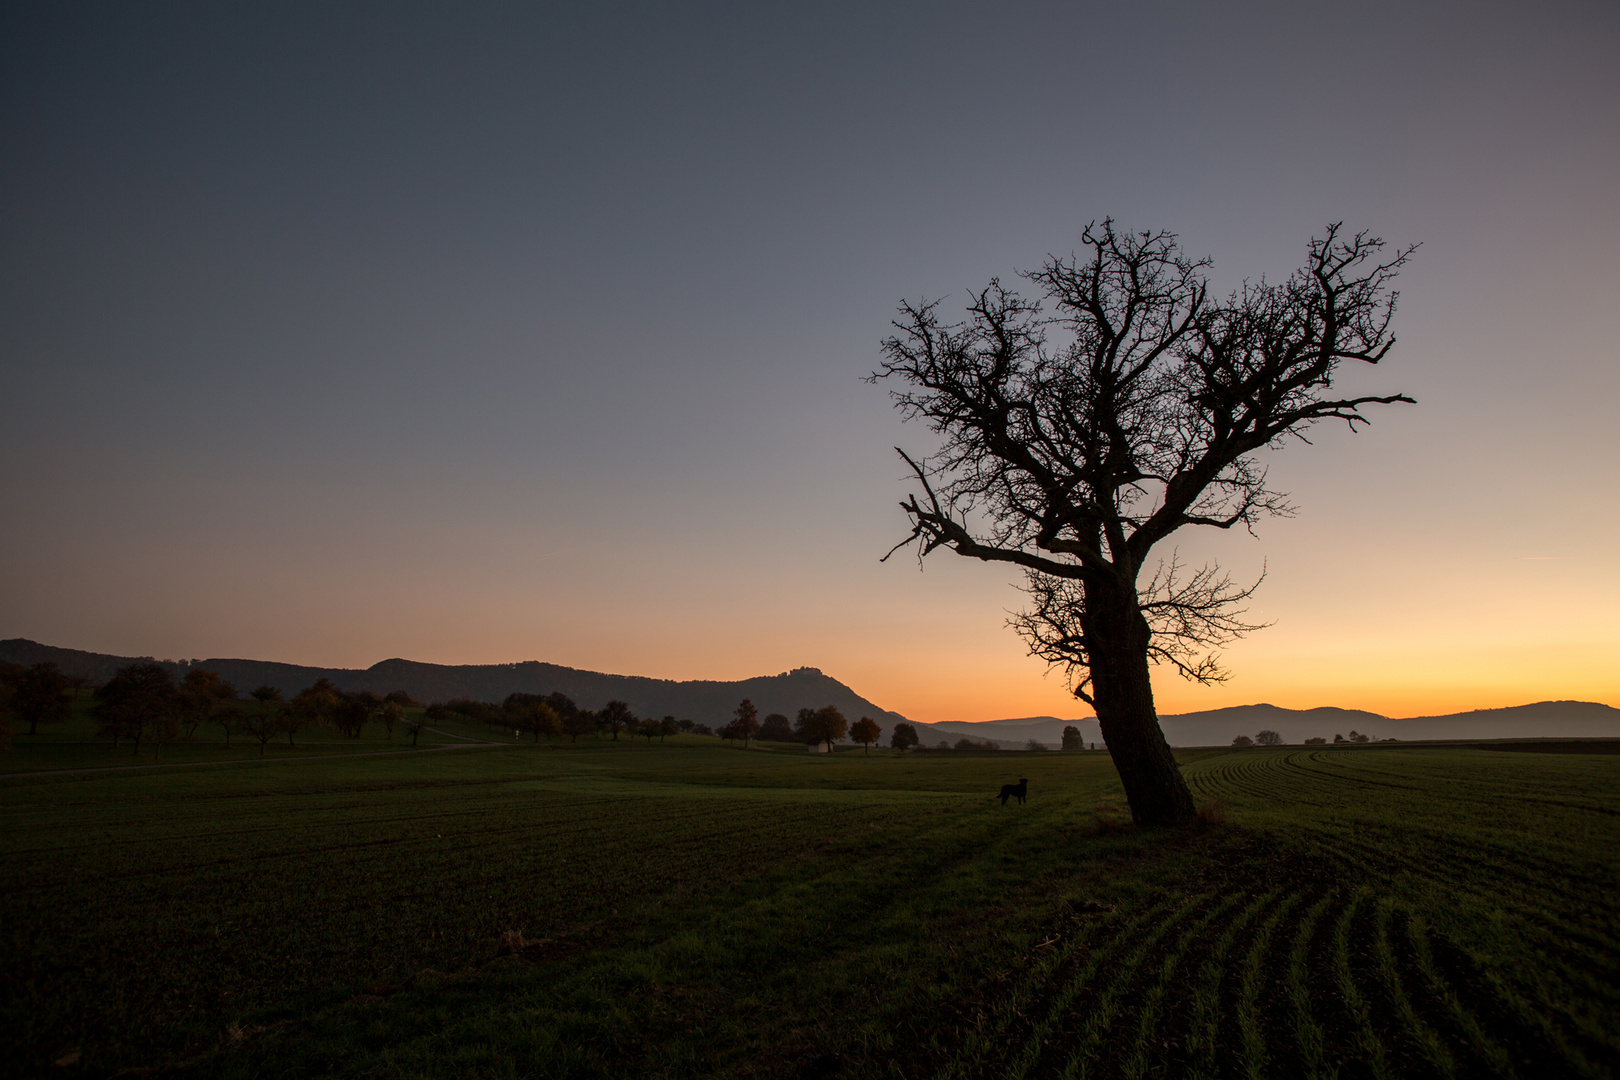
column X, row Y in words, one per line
column 40, row 695
column 1075, row 439
column 775, row 728
column 746, row 721
column 1268, row 738
column 824, row 725
column 316, row 705
column 903, row 737
column 866, row 732
column 200, row 693
column 615, row 717
column 1072, row 739
column 266, row 718
column 139, row 701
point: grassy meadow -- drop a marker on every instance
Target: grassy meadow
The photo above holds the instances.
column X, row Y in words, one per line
column 695, row 910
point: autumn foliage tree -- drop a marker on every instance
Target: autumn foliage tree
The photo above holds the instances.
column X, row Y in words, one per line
column 1082, row 429
column 866, row 732
column 316, row 705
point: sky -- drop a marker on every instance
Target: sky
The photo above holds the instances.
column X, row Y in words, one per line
column 476, row 333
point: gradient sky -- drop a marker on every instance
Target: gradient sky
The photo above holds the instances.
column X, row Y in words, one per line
column 474, row 333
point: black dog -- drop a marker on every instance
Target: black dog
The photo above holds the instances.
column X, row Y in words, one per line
column 1014, row 791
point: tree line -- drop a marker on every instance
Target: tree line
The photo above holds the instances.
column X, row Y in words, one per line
column 145, row 704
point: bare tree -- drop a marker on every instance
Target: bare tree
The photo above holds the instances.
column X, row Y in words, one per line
column 1075, row 440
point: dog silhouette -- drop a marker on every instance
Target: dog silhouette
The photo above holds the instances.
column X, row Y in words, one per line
column 1014, row 791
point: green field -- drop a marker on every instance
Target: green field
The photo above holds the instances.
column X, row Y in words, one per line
column 697, row 910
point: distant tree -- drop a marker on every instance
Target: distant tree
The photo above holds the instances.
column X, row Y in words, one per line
column 316, row 705
column 971, row 746
column 577, row 722
column 824, row 725
column 1034, row 744
column 388, row 713
column 201, row 692
column 1242, row 741
column 1268, row 738
column 686, row 725
column 10, row 675
column 401, row 698
column 702, row 729
column 650, row 729
column 139, row 701
column 414, row 726
column 746, row 720
column 41, row 695
column 1339, row 738
column 266, row 718
column 775, row 728
column 615, row 717
column 666, row 727
column 1359, row 738
column 543, row 720
column 531, row 713
column 1315, row 740
column 866, row 732
column 729, row 732
column 903, row 737
column 1072, row 739
column 563, row 704
column 351, row 712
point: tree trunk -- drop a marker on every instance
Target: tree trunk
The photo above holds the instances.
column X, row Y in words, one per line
column 1123, row 690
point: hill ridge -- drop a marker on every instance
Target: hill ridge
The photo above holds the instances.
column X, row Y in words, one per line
column 705, row 700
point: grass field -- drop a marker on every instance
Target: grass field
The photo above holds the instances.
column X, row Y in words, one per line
column 696, row 910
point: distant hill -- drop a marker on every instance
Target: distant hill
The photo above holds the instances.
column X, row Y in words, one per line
column 712, row 702
column 1015, row 733
column 1218, row 727
column 709, row 702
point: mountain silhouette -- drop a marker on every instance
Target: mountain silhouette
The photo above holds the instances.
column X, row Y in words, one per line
column 712, row 701
column 707, row 701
